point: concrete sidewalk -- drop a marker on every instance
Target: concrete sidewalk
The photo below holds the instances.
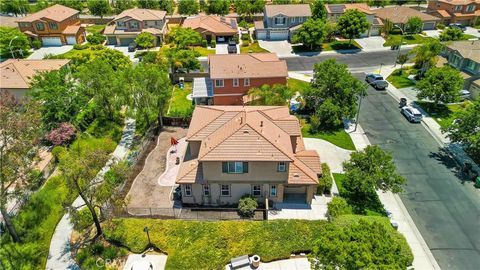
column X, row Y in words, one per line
column 423, row 257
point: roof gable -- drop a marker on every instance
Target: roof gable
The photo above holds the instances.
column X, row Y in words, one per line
column 56, row 13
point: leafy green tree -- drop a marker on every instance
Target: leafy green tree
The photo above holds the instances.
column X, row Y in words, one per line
column 188, row 7
column 337, row 207
column 440, row 85
column 98, row 7
column 121, row 5
column 466, row 129
column 332, row 81
column 148, row 4
column 19, row 133
column 352, row 24
column 278, row 94
column 145, row 40
column 166, row 5
column 402, row 59
column 378, row 3
column 414, row 25
column 183, row 59
column 41, row 4
column 75, row 4
column 329, row 114
column 330, row 28
column 311, row 33
column 202, row 4
column 96, row 38
column 184, row 37
column 61, row 98
column 399, row 2
column 318, row 10
column 19, row 42
column 451, row 34
column 116, row 59
column 426, row 55
column 246, row 8
column 387, row 27
column 219, row 7
column 14, row 6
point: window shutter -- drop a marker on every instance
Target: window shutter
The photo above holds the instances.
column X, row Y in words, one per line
column 224, row 167
column 245, row 167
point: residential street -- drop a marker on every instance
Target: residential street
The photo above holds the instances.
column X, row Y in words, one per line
column 446, row 212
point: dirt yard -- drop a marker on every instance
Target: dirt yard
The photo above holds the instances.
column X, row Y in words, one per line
column 145, row 191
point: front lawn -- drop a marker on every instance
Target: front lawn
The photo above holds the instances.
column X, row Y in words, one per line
column 407, row 39
column 252, row 48
column 179, row 105
column 339, row 137
column 96, row 28
column 211, row 245
column 297, row 85
column 335, row 45
column 467, row 37
column 203, row 51
column 399, row 77
column 443, row 114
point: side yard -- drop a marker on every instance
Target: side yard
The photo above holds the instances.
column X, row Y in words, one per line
column 399, row 77
column 443, row 114
column 180, row 105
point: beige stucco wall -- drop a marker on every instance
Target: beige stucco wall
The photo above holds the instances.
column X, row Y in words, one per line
column 257, row 171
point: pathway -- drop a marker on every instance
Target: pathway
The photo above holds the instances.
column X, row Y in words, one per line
column 59, row 256
column 287, row 264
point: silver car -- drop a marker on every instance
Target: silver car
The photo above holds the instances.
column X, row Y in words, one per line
column 412, row 114
column 376, row 80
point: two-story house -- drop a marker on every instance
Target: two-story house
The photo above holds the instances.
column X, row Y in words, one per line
column 465, row 12
column 220, row 29
column 53, row 26
column 281, row 21
column 399, row 16
column 238, row 150
column 465, row 56
column 232, row 75
column 127, row 25
column 334, row 11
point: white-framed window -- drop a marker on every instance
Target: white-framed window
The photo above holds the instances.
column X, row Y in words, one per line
column 273, row 191
column 282, row 166
column 53, row 25
column 235, row 83
column 458, row 8
column 235, row 167
column 470, row 7
column 218, row 83
column 280, row 20
column 225, row 190
column 25, row 24
column 246, row 82
column 293, row 19
column 188, row 190
column 134, row 25
column 121, row 24
column 206, row 190
column 257, row 190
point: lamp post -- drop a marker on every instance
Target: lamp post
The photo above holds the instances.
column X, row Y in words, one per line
column 148, row 235
column 380, row 70
column 358, row 112
column 399, row 46
column 10, row 46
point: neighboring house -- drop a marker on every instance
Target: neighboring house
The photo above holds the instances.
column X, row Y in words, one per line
column 465, row 12
column 54, row 26
column 281, row 21
column 465, row 56
column 238, row 150
column 232, row 75
column 211, row 27
column 17, row 74
column 334, row 11
column 126, row 26
column 399, row 16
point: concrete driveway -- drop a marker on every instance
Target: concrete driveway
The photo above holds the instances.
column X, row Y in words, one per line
column 281, row 47
column 223, row 49
column 371, row 43
column 124, row 50
column 44, row 51
column 472, row 31
column 433, row 33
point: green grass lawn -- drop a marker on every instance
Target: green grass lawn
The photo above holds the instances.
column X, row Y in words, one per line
column 443, row 114
column 467, row 36
column 339, row 177
column 399, row 78
column 179, row 105
column 252, row 48
column 339, row 138
column 407, row 39
column 328, row 46
column 97, row 28
column 297, row 85
column 203, row 51
column 211, row 245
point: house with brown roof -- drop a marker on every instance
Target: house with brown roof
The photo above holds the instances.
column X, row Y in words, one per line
column 232, row 75
column 399, row 16
column 54, row 26
column 220, row 29
column 126, row 26
column 334, row 11
column 238, row 150
column 17, row 74
column 465, row 12
column 281, row 21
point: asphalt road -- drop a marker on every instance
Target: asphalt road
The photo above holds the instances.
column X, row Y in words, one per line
column 446, row 212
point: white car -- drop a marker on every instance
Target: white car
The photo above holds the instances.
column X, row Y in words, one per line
column 465, row 94
column 412, row 114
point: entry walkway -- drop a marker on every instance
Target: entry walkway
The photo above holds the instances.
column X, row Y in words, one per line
column 288, row 264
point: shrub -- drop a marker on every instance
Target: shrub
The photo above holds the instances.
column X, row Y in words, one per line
column 57, row 152
column 314, row 124
column 440, row 26
column 247, row 205
column 36, row 44
column 82, row 218
column 149, row 57
column 245, row 37
column 86, row 116
column 337, row 207
column 243, row 24
column 326, row 180
column 96, row 38
column 65, row 133
column 204, row 43
column 145, row 40
column 451, row 34
column 213, row 44
column 235, row 38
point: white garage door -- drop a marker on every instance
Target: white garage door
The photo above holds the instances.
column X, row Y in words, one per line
column 71, row 40
column 429, row 26
column 51, row 41
column 261, row 34
column 278, row 35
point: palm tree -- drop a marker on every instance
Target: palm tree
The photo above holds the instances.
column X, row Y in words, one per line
column 402, row 59
column 278, row 94
column 426, row 55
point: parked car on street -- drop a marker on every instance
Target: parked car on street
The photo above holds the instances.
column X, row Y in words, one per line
column 465, row 94
column 376, row 80
column 132, row 47
column 412, row 114
column 458, row 26
column 232, row 47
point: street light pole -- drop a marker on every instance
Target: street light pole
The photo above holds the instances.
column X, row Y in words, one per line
column 380, row 70
column 358, row 112
column 10, row 46
column 148, row 235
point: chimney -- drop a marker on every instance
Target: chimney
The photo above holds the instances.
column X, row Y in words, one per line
column 261, row 123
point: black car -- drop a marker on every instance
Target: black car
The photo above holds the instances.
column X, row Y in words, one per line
column 132, row 47
column 458, row 26
column 232, row 46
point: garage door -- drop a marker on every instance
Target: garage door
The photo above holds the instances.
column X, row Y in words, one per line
column 429, row 26
column 374, row 31
column 278, row 35
column 261, row 34
column 71, row 40
column 51, row 41
column 126, row 41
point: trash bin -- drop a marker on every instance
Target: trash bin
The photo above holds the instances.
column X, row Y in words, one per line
column 403, row 102
column 255, row 261
column 477, row 182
